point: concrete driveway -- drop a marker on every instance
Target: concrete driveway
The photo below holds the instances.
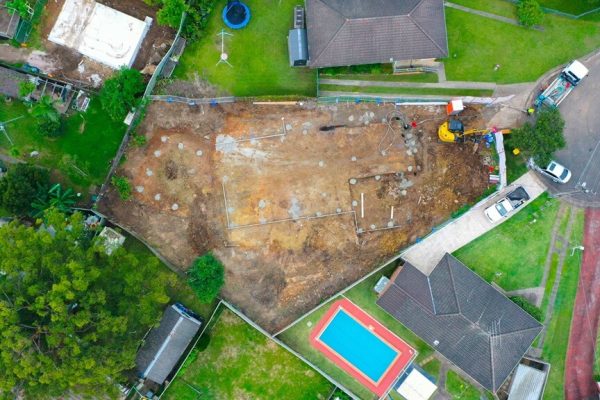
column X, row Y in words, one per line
column 581, row 111
column 425, row 254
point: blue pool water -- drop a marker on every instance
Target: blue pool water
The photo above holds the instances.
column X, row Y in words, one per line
column 359, row 346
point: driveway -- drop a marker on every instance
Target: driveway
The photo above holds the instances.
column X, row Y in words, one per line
column 582, row 132
column 425, row 254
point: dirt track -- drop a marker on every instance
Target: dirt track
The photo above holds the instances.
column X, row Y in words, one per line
column 292, row 229
column 579, row 373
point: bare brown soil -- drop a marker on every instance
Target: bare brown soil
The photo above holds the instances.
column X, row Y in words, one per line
column 278, row 198
column 62, row 62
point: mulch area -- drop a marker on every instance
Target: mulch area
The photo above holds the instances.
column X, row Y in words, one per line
column 579, row 381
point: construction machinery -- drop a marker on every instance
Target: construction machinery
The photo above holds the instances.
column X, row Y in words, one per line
column 453, row 131
column 564, row 84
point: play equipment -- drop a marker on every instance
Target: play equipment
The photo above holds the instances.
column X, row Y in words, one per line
column 236, row 14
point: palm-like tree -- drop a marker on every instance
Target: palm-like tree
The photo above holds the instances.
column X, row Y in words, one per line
column 62, row 200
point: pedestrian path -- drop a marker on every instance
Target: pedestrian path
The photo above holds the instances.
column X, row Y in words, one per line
column 425, row 254
column 420, row 85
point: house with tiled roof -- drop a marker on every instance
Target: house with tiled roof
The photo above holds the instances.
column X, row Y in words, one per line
column 354, row 32
column 464, row 318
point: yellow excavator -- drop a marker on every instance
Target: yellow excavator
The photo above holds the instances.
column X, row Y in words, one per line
column 453, row 131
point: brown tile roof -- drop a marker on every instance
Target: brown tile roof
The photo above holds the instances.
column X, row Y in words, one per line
column 353, row 32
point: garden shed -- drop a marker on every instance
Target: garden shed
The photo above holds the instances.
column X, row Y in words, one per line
column 297, row 47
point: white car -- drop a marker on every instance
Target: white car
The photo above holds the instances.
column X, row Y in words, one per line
column 557, row 172
column 502, row 208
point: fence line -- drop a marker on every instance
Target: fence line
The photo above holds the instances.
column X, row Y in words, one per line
column 190, row 100
column 193, row 347
column 139, row 112
column 289, row 349
column 561, row 13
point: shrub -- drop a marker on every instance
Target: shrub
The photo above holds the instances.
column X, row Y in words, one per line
column 120, row 93
column 25, row 88
column 529, row 12
column 123, row 186
column 49, row 120
column 21, row 185
column 170, row 13
column 139, row 140
column 528, row 307
column 206, row 277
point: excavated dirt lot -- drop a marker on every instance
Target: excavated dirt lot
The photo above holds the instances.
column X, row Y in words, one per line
column 295, row 200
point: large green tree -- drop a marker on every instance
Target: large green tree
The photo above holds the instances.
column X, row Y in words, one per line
column 21, row 185
column 529, row 12
column 541, row 140
column 120, row 93
column 206, row 277
column 71, row 316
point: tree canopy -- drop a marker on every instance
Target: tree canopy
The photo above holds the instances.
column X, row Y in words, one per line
column 541, row 140
column 120, row 92
column 21, row 185
column 206, row 277
column 529, row 12
column 170, row 13
column 71, row 316
column 49, row 120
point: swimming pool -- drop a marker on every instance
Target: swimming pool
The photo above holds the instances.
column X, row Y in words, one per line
column 361, row 346
column 357, row 344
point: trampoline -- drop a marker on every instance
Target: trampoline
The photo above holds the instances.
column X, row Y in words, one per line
column 236, row 14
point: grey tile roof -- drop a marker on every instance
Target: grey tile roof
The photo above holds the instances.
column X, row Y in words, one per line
column 165, row 345
column 9, row 82
column 353, row 32
column 472, row 324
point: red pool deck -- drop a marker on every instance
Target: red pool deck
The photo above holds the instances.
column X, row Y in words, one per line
column 405, row 353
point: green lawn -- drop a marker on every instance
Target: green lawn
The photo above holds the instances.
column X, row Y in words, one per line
column 477, row 44
column 513, row 254
column 499, row 7
column 460, row 389
column 234, row 361
column 81, row 154
column 405, row 91
column 258, row 54
column 557, row 338
column 432, row 367
column 363, row 295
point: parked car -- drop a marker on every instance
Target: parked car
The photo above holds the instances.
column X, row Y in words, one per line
column 503, row 207
column 557, row 172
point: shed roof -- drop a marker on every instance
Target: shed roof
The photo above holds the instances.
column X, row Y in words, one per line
column 165, row 345
column 459, row 314
column 297, row 45
column 527, row 384
column 353, row 32
column 9, row 82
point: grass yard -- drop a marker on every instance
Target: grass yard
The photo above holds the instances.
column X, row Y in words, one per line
column 499, row 7
column 258, row 53
column 406, row 91
column 234, row 361
column 432, row 367
column 513, row 254
column 477, row 44
column 459, row 388
column 363, row 295
column 90, row 140
column 557, row 338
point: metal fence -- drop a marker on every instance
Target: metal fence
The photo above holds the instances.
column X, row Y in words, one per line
column 562, row 13
column 26, row 25
column 138, row 114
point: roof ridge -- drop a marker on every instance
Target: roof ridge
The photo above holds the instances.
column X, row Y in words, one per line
column 415, row 7
column 454, row 286
column 414, row 299
column 520, row 330
column 423, row 30
column 334, row 35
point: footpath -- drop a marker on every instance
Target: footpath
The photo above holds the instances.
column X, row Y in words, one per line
column 579, row 371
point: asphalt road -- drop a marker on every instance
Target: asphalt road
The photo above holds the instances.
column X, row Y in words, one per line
column 581, row 111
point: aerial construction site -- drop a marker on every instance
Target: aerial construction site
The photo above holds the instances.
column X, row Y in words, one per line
column 297, row 200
